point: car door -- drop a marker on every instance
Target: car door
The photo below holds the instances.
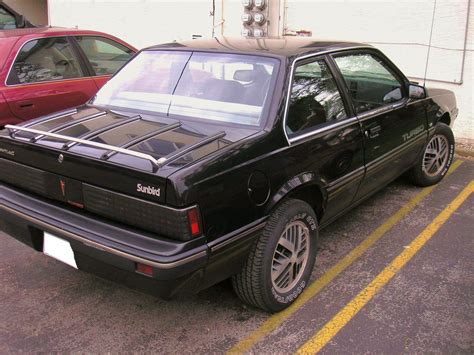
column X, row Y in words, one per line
column 103, row 55
column 47, row 76
column 325, row 137
column 394, row 129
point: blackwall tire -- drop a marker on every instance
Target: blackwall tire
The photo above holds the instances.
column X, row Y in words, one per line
column 436, row 158
column 281, row 260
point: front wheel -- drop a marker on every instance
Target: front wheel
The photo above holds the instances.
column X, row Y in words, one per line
column 281, row 260
column 436, row 158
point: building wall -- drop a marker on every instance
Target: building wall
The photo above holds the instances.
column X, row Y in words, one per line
column 36, row 11
column 401, row 28
column 142, row 23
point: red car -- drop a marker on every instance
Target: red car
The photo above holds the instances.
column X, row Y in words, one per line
column 45, row 70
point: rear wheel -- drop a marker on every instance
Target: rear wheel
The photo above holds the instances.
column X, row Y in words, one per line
column 436, row 158
column 281, row 260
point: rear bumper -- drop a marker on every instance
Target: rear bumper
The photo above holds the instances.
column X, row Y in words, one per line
column 111, row 251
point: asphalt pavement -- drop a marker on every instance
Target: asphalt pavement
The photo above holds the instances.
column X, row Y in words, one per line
column 394, row 275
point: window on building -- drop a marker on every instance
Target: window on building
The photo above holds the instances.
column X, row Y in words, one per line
column 370, row 81
column 105, row 56
column 315, row 98
column 7, row 20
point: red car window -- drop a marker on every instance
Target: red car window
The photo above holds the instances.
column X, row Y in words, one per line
column 105, row 55
column 45, row 59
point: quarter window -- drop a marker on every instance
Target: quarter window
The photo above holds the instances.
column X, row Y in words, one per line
column 314, row 98
column 369, row 80
column 45, row 59
column 106, row 56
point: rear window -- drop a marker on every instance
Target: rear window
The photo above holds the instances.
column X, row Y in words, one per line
column 221, row 87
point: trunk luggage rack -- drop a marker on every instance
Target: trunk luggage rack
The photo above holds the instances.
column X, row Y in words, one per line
column 156, row 163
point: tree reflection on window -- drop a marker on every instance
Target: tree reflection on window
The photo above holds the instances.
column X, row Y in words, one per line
column 314, row 99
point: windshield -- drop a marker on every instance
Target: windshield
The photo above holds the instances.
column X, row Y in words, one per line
column 211, row 86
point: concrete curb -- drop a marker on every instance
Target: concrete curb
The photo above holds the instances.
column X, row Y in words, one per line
column 465, row 147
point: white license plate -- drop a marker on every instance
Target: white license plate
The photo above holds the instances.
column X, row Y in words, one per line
column 59, row 249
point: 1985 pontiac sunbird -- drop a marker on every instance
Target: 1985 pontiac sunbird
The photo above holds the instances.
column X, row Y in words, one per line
column 222, row 158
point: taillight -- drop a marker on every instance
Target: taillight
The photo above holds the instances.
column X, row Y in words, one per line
column 193, row 221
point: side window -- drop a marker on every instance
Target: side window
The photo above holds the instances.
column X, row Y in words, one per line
column 45, row 59
column 106, row 56
column 7, row 20
column 369, row 80
column 314, row 98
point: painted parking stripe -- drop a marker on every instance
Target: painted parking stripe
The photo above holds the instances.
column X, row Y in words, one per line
column 277, row 319
column 331, row 328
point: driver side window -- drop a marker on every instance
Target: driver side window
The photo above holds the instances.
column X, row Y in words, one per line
column 45, row 59
column 370, row 81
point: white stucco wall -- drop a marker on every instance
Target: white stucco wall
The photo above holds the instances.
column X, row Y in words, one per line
column 401, row 28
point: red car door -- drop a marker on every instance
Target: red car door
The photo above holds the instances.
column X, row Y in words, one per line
column 47, row 76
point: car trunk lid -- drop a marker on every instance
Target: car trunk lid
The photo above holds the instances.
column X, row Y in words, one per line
column 116, row 150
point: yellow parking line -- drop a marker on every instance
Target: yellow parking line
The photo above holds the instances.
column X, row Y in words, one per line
column 331, row 328
column 275, row 320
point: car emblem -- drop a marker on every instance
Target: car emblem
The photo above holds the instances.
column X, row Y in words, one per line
column 60, row 158
column 62, row 185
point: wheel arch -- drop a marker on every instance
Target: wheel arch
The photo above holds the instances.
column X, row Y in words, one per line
column 307, row 187
column 445, row 118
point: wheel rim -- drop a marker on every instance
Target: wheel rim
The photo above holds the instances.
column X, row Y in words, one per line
column 436, row 155
column 290, row 256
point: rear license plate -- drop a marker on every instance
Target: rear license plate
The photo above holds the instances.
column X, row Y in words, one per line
column 59, row 249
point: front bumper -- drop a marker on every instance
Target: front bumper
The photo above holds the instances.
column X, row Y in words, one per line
column 112, row 251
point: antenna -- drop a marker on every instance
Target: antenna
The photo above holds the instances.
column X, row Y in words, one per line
column 429, row 44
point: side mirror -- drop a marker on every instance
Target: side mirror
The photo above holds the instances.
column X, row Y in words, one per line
column 416, row 91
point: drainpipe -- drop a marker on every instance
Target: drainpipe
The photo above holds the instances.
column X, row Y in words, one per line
column 465, row 42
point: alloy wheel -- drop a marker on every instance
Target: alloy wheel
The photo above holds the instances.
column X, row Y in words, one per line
column 290, row 256
column 436, row 155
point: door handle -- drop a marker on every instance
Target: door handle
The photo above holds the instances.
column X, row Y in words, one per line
column 25, row 104
column 373, row 132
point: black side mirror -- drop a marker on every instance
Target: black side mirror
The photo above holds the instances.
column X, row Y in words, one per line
column 416, row 91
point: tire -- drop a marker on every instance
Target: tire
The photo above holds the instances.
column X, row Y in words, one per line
column 436, row 158
column 263, row 281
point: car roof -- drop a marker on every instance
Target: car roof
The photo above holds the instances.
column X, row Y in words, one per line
column 288, row 46
column 46, row 31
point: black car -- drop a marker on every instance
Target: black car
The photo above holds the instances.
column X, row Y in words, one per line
column 220, row 158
